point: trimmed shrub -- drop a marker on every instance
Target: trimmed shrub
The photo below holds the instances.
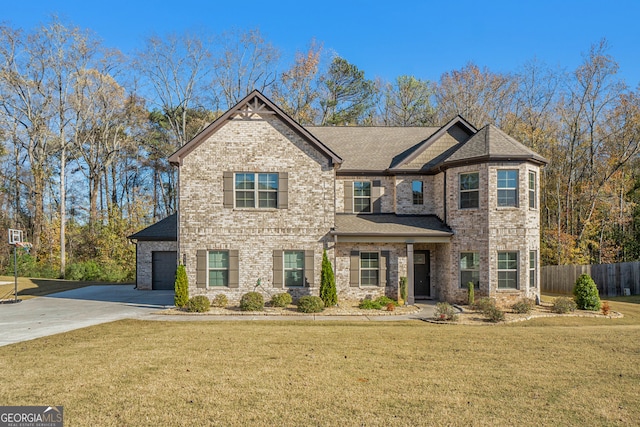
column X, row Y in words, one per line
column 369, row 304
column 585, row 293
column 563, row 305
column 483, row 304
column 181, row 287
column 384, row 300
column 310, row 304
column 198, row 304
column 446, row 312
column 328, row 292
column 494, row 314
column 252, row 301
column 471, row 293
column 220, row 300
column 524, row 306
column 281, row 300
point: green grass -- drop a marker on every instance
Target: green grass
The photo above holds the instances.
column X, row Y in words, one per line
column 33, row 287
column 545, row 372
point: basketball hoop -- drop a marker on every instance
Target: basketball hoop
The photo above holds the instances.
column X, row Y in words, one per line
column 15, row 236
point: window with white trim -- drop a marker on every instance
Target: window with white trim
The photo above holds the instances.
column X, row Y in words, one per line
column 218, row 268
column 533, row 193
column 469, row 190
column 417, row 188
column 507, row 270
column 293, row 268
column 256, row 190
column 469, row 269
column 369, row 268
column 362, row 196
column 533, row 270
column 508, row 187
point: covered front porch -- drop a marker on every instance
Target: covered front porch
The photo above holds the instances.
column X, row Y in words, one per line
column 413, row 246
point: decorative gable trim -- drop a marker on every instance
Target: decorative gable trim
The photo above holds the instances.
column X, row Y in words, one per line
column 458, row 120
column 254, row 104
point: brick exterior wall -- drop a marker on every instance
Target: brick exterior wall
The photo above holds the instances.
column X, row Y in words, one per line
column 490, row 229
column 264, row 144
column 144, row 253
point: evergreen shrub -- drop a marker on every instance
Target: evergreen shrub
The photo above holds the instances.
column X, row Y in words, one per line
column 328, row 292
column 310, row 304
column 281, row 300
column 252, row 301
column 220, row 301
column 181, row 287
column 198, row 304
column 586, row 294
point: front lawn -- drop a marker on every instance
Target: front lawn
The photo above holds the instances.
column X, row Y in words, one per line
column 543, row 372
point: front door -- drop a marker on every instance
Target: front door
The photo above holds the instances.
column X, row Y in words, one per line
column 422, row 274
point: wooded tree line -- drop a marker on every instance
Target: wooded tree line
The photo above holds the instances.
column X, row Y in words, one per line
column 86, row 130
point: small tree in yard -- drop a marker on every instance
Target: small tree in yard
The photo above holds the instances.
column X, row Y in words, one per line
column 327, row 283
column 586, row 294
column 181, row 287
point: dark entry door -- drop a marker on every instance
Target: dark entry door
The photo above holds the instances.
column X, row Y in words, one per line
column 422, row 274
column 163, row 270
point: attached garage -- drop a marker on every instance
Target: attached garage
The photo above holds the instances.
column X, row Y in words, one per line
column 157, row 254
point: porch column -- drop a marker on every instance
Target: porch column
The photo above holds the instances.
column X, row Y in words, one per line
column 410, row 294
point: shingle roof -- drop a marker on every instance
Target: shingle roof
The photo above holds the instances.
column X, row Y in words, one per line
column 371, row 148
column 491, row 142
column 391, row 225
column 166, row 229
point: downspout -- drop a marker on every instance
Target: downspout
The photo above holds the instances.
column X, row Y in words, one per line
column 444, row 197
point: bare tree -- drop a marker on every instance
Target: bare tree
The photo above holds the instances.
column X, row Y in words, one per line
column 245, row 62
column 406, row 102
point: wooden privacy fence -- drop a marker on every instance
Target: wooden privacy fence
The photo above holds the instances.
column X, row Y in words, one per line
column 612, row 279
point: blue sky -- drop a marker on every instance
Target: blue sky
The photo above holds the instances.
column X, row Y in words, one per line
column 383, row 38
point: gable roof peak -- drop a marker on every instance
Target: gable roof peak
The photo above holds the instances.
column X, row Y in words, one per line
column 255, row 103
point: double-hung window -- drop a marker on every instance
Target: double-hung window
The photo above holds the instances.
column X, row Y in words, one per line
column 533, row 193
column 293, row 268
column 218, row 266
column 361, row 196
column 469, row 269
column 508, row 187
column 369, row 268
column 469, row 190
column 256, row 190
column 507, row 270
column 533, row 271
column 417, row 188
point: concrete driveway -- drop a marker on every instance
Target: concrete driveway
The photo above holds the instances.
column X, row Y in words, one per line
column 75, row 309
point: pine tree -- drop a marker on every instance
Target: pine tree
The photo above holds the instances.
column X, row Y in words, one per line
column 327, row 283
column 181, row 287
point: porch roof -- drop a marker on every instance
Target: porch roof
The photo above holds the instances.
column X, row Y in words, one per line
column 391, row 228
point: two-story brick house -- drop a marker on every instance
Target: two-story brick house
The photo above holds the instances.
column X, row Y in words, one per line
column 261, row 197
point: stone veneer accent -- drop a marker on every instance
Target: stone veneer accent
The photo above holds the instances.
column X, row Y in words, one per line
column 144, row 253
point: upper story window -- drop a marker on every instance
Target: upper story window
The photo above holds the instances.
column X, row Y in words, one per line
column 533, row 193
column 361, row 196
column 508, row 187
column 256, row 190
column 469, row 190
column 418, row 192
